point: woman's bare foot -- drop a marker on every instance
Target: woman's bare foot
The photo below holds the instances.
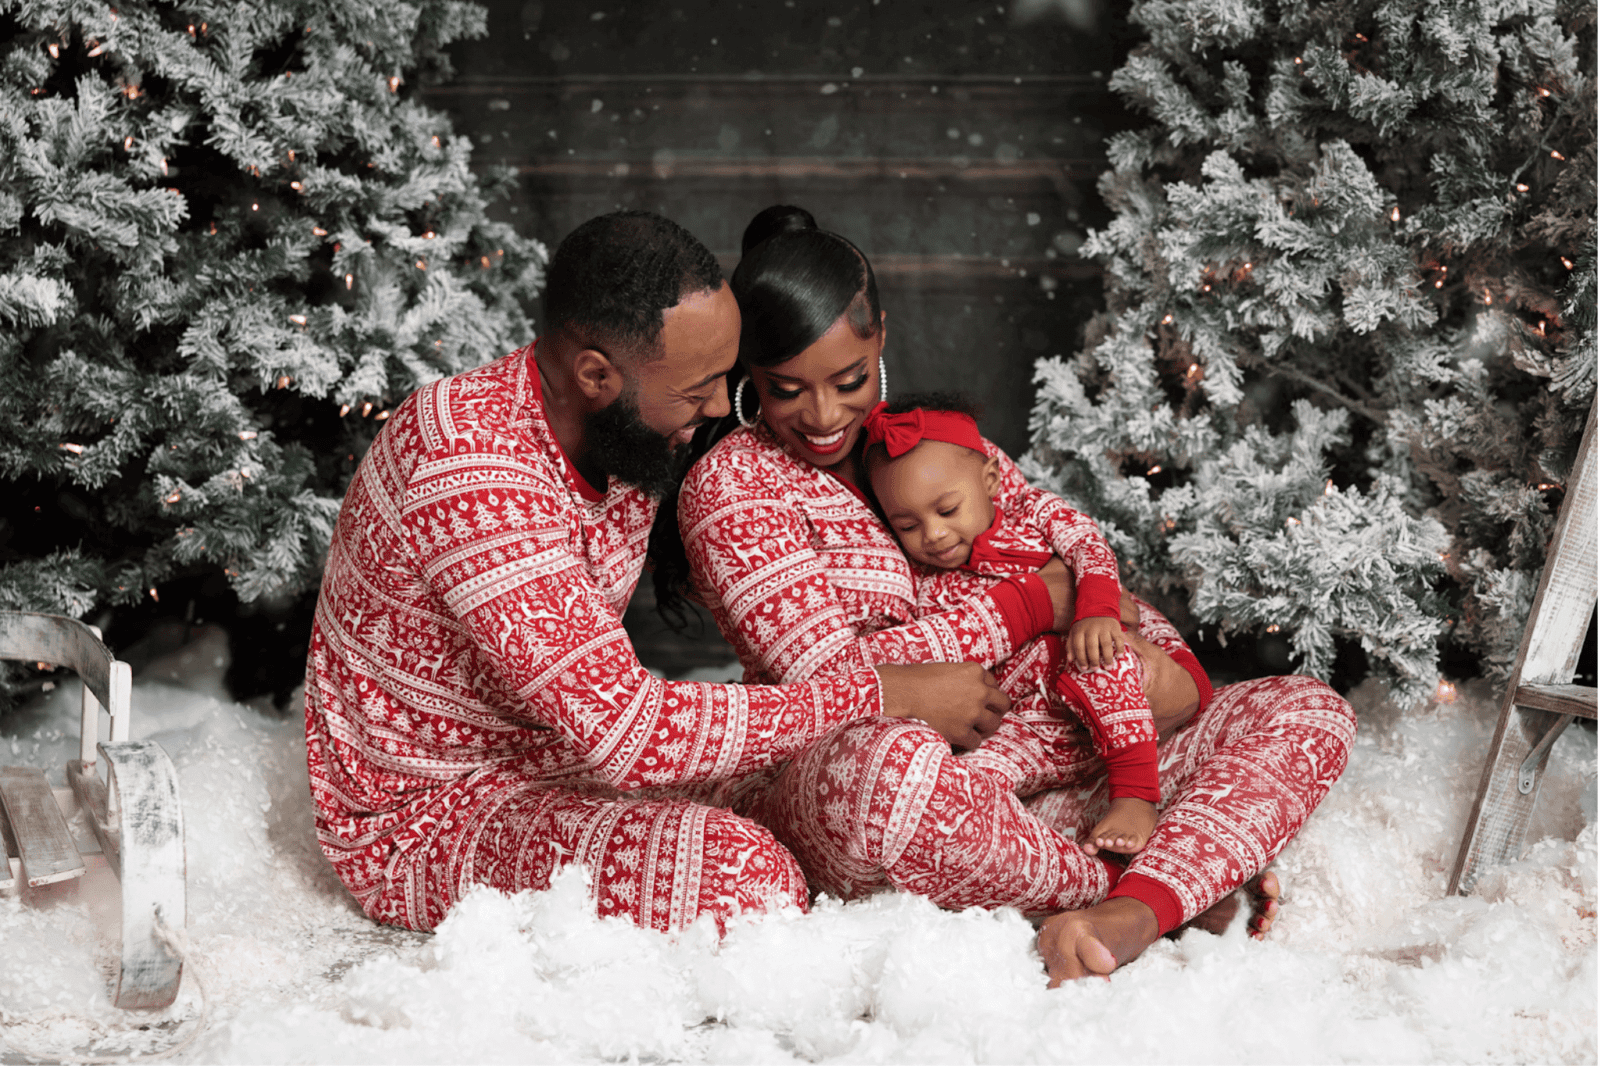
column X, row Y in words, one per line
column 1125, row 828
column 1096, row 940
column 1263, row 893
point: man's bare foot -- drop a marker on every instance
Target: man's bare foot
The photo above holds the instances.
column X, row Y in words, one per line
column 1096, row 940
column 1125, row 828
column 1262, row 891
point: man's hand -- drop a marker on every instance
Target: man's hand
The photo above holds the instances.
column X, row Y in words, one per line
column 1063, row 592
column 1173, row 695
column 1094, row 642
column 960, row 700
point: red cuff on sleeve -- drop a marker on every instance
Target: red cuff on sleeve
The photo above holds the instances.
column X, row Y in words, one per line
column 1097, row 597
column 1131, row 771
column 1025, row 608
column 1185, row 658
column 1153, row 894
column 1114, row 870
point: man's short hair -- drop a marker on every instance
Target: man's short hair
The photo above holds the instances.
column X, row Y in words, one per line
column 613, row 277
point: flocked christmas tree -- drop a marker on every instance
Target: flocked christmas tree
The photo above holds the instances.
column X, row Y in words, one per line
column 1350, row 338
column 231, row 239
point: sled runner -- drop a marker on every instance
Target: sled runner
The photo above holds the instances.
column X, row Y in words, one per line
column 1540, row 699
column 133, row 809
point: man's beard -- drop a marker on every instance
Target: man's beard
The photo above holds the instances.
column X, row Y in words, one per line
column 630, row 451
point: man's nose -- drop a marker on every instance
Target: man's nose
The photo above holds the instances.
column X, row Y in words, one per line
column 717, row 405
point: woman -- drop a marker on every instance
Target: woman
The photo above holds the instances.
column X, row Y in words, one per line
column 803, row 580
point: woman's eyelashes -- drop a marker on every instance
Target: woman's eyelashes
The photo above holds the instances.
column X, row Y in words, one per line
column 790, row 394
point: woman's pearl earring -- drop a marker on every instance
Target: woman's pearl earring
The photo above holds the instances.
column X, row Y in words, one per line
column 738, row 404
column 883, row 380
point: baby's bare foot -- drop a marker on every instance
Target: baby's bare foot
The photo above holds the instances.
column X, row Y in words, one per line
column 1125, row 829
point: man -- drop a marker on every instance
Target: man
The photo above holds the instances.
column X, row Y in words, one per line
column 474, row 710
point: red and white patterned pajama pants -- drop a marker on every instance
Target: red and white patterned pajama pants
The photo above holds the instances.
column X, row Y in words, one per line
column 884, row 803
column 660, row 862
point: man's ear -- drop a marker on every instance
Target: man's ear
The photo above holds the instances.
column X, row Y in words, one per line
column 599, row 379
column 991, row 477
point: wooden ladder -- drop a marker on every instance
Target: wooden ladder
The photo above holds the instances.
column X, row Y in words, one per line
column 1540, row 699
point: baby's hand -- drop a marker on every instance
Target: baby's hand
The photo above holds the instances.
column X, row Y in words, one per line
column 1094, row 642
column 1125, row 829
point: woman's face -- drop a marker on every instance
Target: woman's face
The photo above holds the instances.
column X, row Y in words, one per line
column 817, row 401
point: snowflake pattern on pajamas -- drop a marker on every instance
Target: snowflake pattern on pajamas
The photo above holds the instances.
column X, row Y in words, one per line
column 803, row 579
column 882, row 803
column 1109, row 699
column 474, row 709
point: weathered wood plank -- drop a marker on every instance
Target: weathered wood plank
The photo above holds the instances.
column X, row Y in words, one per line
column 53, row 638
column 1567, row 591
column 1543, row 670
column 1562, row 699
column 145, row 808
column 8, row 853
column 44, row 842
column 92, row 797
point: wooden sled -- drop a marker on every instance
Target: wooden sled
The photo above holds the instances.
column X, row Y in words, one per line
column 134, row 810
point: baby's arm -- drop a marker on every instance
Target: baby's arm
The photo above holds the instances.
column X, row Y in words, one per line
column 1095, row 638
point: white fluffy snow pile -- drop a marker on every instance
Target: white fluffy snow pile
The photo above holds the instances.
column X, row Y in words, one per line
column 1370, row 962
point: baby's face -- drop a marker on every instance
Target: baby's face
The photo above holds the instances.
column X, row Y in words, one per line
column 937, row 498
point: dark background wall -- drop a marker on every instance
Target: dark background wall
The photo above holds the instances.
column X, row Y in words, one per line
column 956, row 142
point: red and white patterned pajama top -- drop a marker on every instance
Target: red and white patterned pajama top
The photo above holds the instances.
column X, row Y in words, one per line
column 475, row 711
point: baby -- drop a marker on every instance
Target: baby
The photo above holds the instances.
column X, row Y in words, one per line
column 937, row 486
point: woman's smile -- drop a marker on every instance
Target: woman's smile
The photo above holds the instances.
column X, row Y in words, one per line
column 825, row 445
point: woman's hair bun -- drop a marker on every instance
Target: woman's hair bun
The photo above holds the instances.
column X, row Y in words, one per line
column 779, row 218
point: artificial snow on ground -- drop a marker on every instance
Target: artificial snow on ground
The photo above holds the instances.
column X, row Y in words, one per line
column 1369, row 963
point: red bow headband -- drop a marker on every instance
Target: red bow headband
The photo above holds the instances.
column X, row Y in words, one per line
column 900, row 433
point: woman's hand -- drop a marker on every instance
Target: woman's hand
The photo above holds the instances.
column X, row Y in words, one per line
column 1063, row 592
column 960, row 700
column 1173, row 695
